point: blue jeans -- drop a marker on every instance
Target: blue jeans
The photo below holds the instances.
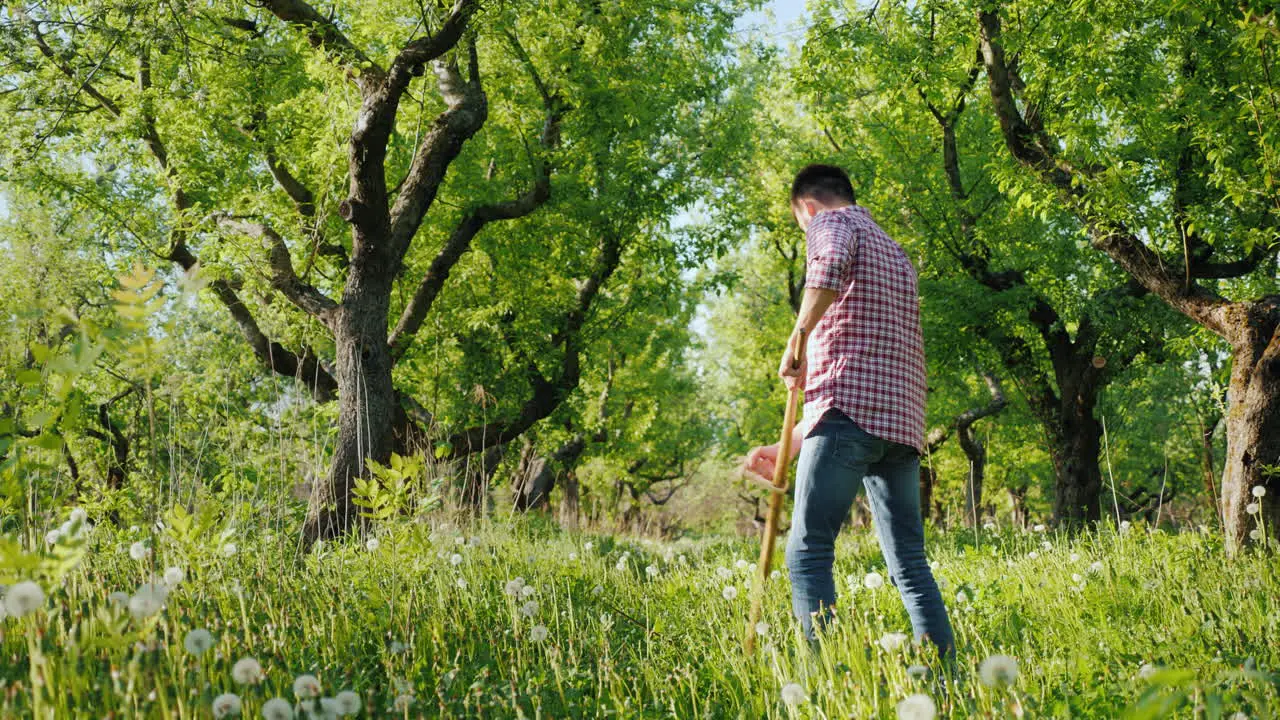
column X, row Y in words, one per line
column 836, row 458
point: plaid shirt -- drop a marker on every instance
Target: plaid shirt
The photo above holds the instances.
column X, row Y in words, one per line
column 866, row 354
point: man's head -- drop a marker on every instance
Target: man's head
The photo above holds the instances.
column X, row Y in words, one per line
column 817, row 188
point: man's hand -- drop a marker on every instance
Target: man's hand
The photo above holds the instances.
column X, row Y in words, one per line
column 793, row 376
column 762, row 461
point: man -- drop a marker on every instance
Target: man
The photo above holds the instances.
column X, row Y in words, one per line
column 863, row 379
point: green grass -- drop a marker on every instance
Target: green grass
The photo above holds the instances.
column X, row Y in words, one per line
column 395, row 622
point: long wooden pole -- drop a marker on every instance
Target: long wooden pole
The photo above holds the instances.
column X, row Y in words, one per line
column 780, row 486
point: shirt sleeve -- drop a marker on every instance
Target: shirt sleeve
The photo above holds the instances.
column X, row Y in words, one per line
column 829, row 246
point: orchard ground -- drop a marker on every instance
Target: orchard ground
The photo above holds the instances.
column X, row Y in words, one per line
column 518, row 618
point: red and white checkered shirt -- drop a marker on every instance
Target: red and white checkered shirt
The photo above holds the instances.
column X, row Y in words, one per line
column 866, row 354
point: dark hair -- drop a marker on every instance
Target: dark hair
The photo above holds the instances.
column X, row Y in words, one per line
column 823, row 183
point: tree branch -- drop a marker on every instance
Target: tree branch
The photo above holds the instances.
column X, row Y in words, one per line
column 283, row 277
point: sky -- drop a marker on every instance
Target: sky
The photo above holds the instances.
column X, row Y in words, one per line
column 787, row 13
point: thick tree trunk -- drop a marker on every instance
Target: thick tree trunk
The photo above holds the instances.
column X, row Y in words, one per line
column 367, row 408
column 1077, row 476
column 1253, row 424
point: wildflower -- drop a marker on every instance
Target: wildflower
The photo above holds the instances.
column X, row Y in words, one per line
column 372, row 544
column 462, row 583
column 730, row 592
column 1095, row 567
column 741, row 564
column 139, row 550
column 277, row 709
column 348, row 702
column 597, row 590
column 762, row 628
column 1259, row 491
column 227, row 533
column 998, row 671
column 917, row 672
column 459, row 540
column 682, row 559
column 962, row 597
column 873, row 580
column 1033, row 554
column 148, row 600
column 513, row 587
column 23, row 598
column 1255, row 534
column 573, row 557
column 539, row 633
column 229, row 549
column 1125, row 525
column 396, row 647
column 651, row 571
column 774, row 575
column 403, row 702
column 53, row 536
column 793, row 694
column 1252, row 508
column 174, row 575
column 1046, row 545
column 118, row 598
column 329, row 708
column 455, row 559
column 1239, row 716
column 198, row 641
column 1146, row 671
column 226, row 705
column 529, row 609
column 248, row 671
column 934, row 565
column 724, row 573
column 306, row 686
column 1039, row 528
column 588, row 545
column 988, row 526
column 917, row 707
column 1075, row 557
column 892, row 641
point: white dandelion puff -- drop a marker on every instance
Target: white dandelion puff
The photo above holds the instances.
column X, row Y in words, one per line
column 774, row 575
column 1125, row 525
column 348, row 702
column 1255, row 534
column 597, row 590
column 513, row 587
column 729, row 592
column 226, row 705
column 118, row 598
column 402, row 702
column 372, row 544
column 988, row 526
column 1095, row 567
column 248, row 671
column 873, row 580
column 1033, row 554
column 198, row 641
column 229, row 549
column 1252, row 508
column 529, row 609
column 174, row 575
column 917, row 672
column 892, row 641
column 23, row 598
column 306, row 686
column 1039, row 528
column 455, row 559
column 527, row 591
column 53, row 536
column 139, row 550
column 724, row 573
column 538, row 633
column 1075, row 557
column 917, row 707
column 1146, row 671
column 794, row 694
column 1258, row 491
column 588, row 545
column 277, row 709
column 148, row 600
column 573, row 557
column 461, row 583
column 998, row 671
column 962, row 597
column 762, row 628
column 651, row 571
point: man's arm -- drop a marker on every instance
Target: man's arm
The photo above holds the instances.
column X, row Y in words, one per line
column 812, row 307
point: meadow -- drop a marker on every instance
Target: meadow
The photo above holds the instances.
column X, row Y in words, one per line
column 518, row 618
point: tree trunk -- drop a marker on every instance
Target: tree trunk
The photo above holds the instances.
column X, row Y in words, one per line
column 928, row 478
column 1077, row 476
column 1206, row 464
column 569, row 504
column 366, row 407
column 977, row 454
column 1253, row 425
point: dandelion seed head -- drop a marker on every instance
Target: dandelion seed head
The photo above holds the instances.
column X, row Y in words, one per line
column 226, row 705
column 1259, row 491
column 174, row 575
column 53, row 536
column 148, row 600
column 794, row 694
column 198, row 641
column 729, row 592
column 348, row 702
column 538, row 633
column 1252, row 508
column 461, row 583
column 892, row 641
column 230, row 549
column 455, row 559
column 139, row 550
column 651, row 571
column 277, row 709
column 917, row 707
column 372, row 544
column 998, row 671
column 962, row 597
column 248, row 671
column 1255, row 534
column 529, row 609
column 873, row 581
column 306, row 686
column 1146, row 671
column 917, row 672
column 527, row 591
column 23, row 598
